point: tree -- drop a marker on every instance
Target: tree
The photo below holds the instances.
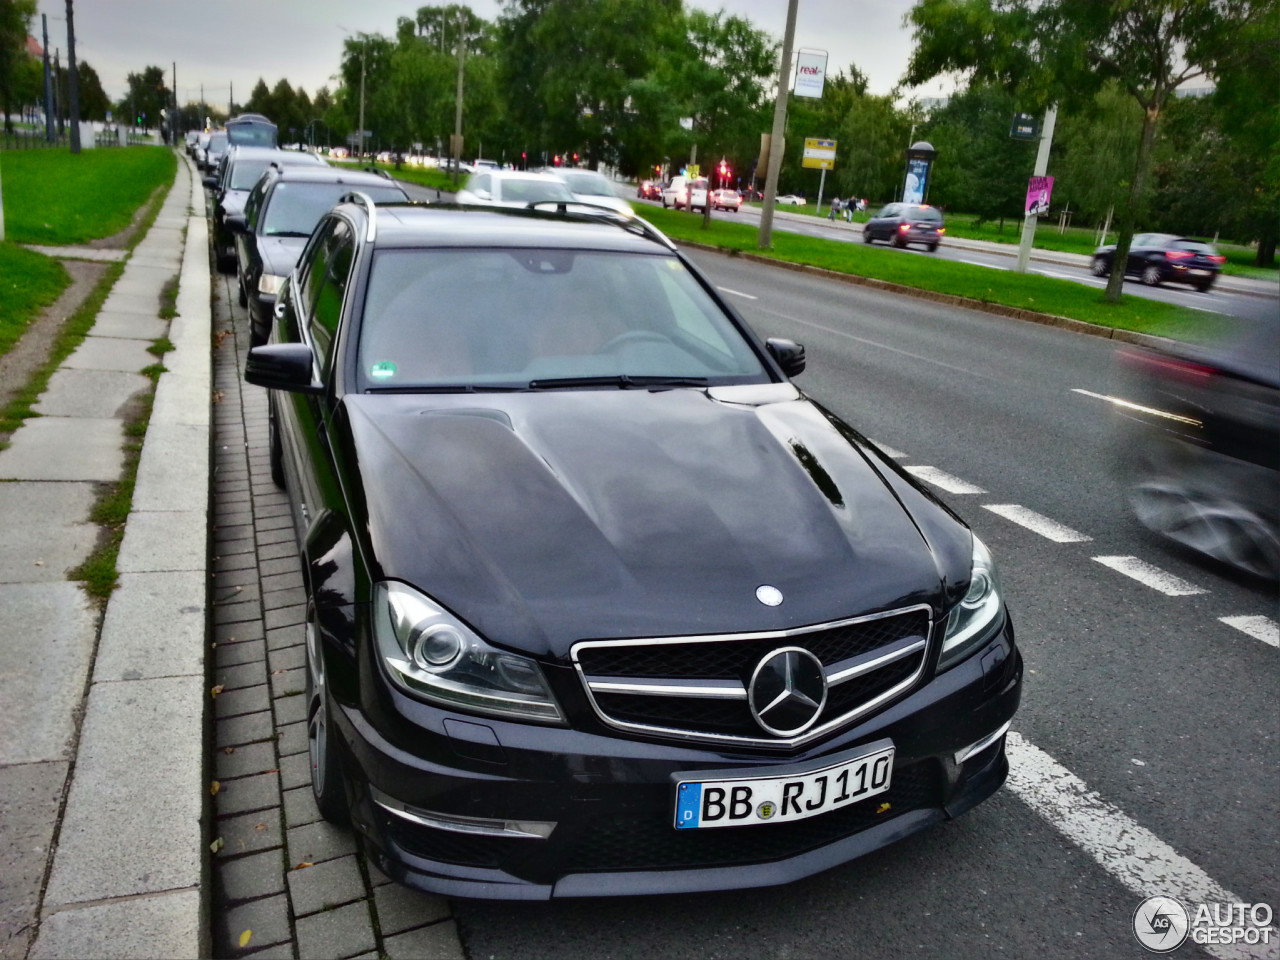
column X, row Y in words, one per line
column 15, row 18
column 1065, row 50
column 147, row 96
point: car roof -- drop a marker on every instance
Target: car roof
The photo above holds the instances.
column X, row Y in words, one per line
column 450, row 225
column 323, row 173
column 239, row 150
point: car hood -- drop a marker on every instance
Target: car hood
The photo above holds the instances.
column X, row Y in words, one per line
column 279, row 254
column 548, row 517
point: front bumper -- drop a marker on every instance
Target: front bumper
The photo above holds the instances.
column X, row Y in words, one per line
column 611, row 799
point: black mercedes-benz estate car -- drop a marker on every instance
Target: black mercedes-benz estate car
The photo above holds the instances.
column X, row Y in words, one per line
column 599, row 603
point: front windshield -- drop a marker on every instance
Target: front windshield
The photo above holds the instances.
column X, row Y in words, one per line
column 294, row 209
column 450, row 318
column 587, row 182
column 533, row 191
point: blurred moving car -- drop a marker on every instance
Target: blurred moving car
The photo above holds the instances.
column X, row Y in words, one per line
column 1157, row 258
column 726, row 200
column 279, row 215
column 1199, row 444
column 512, row 188
column 649, row 190
column 241, row 170
column 592, row 187
column 789, row 200
column 905, row 223
column 598, row 602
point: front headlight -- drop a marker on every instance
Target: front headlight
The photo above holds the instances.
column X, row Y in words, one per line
column 432, row 654
column 979, row 614
column 269, row 284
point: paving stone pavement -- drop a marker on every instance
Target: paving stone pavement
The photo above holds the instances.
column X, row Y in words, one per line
column 339, row 905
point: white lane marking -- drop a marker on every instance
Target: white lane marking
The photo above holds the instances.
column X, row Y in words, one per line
column 944, row 480
column 979, row 263
column 889, row 452
column 1260, row 628
column 1135, row 856
column 1073, row 276
column 737, row 293
column 1036, row 523
column 1150, row 576
column 1129, row 405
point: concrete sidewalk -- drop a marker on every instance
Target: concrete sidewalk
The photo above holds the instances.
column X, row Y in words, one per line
column 102, row 783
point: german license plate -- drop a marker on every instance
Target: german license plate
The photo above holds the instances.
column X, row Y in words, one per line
column 701, row 804
column 1199, row 273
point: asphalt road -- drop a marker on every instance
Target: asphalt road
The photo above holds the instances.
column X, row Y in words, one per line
column 1148, row 742
column 1217, row 300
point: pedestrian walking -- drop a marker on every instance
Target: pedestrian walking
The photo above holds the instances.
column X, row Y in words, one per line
column 836, row 207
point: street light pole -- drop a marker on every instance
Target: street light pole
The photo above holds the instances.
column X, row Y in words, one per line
column 73, row 80
column 779, row 130
column 363, row 42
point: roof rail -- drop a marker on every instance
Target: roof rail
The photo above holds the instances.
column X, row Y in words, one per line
column 358, row 196
column 586, row 210
column 379, row 172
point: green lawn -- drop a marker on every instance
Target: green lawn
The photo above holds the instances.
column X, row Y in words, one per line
column 29, row 282
column 435, row 179
column 57, row 197
column 1061, row 298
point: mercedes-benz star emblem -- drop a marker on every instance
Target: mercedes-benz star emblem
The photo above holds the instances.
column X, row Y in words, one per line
column 769, row 596
column 787, row 692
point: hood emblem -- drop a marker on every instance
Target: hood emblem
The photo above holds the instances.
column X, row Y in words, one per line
column 769, row 596
column 787, row 691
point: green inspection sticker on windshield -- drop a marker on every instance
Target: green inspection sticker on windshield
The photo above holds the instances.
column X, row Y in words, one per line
column 382, row 370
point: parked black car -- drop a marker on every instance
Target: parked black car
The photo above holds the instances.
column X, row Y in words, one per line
column 214, row 151
column 1200, row 445
column 277, row 219
column 904, row 223
column 599, row 603
column 1157, row 258
column 240, row 171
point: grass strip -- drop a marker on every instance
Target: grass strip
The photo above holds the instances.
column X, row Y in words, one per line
column 1080, row 240
column 57, row 197
column 29, row 282
column 1017, row 291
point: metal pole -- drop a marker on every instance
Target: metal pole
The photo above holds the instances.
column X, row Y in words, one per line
column 361, row 140
column 58, row 99
column 457, row 110
column 72, row 79
column 779, row 130
column 1042, row 164
column 48, row 82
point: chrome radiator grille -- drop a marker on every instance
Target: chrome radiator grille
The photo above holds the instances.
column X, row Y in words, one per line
column 698, row 687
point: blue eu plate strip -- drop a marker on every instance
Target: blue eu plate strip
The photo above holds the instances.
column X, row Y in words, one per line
column 688, row 805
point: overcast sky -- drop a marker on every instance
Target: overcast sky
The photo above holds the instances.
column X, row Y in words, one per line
column 229, row 44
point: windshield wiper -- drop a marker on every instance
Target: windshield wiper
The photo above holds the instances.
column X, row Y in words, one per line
column 623, row 381
column 448, row 388
column 286, row 233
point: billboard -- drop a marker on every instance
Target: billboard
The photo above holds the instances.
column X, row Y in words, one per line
column 1039, row 192
column 811, row 73
column 917, row 180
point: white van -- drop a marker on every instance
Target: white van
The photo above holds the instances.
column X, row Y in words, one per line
column 686, row 193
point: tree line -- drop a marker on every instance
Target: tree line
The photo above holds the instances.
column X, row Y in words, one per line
column 643, row 85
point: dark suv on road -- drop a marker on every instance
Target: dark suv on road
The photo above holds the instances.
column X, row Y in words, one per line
column 237, row 176
column 598, row 602
column 278, row 217
column 1156, row 258
column 904, row 223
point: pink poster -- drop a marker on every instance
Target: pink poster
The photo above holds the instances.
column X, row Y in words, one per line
column 1039, row 190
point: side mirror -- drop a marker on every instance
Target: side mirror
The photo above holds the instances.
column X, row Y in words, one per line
column 237, row 224
column 282, row 366
column 483, row 195
column 788, row 354
column 211, row 183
